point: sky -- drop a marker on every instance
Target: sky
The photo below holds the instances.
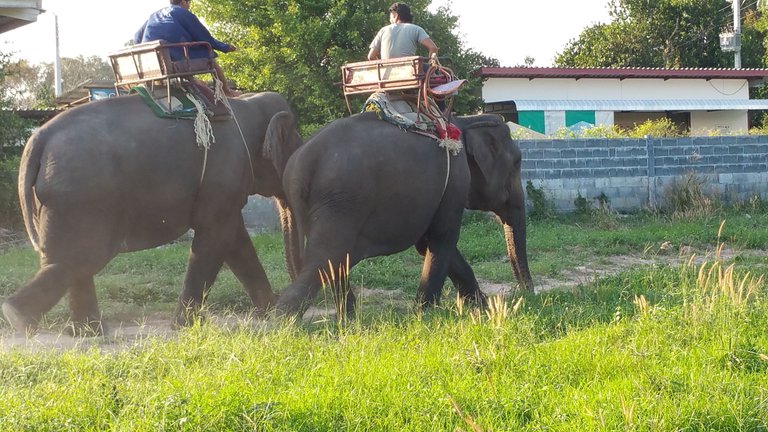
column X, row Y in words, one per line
column 509, row 30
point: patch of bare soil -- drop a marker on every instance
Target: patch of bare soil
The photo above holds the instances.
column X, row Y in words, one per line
column 126, row 334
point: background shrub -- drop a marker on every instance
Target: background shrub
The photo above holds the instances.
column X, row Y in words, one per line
column 10, row 214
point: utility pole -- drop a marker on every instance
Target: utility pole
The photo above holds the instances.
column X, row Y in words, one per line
column 57, row 61
column 731, row 40
column 737, row 33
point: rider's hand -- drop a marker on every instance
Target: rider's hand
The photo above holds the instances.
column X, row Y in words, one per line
column 433, row 59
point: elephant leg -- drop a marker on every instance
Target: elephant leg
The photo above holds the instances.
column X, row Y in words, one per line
column 328, row 250
column 76, row 244
column 84, row 308
column 430, row 284
column 245, row 265
column 441, row 239
column 463, row 278
column 298, row 296
column 437, row 261
column 461, row 274
column 25, row 308
column 205, row 260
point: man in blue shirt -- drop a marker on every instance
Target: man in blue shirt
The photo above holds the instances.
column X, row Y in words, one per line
column 175, row 24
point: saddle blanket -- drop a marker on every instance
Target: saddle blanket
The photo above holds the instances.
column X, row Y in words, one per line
column 402, row 113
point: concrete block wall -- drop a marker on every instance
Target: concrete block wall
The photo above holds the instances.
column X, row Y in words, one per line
column 634, row 173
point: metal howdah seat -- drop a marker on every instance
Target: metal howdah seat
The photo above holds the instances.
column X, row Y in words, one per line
column 150, row 62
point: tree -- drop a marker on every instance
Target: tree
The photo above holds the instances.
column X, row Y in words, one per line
column 14, row 131
column 297, row 47
column 664, row 33
column 31, row 86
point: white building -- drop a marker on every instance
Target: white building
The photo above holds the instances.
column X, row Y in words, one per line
column 548, row 99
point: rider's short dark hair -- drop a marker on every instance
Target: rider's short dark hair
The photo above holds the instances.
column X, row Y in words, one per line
column 403, row 11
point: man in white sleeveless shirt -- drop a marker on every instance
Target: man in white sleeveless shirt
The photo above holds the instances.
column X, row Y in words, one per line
column 401, row 38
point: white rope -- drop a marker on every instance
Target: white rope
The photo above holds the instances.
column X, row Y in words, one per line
column 203, row 132
column 447, row 170
column 220, row 96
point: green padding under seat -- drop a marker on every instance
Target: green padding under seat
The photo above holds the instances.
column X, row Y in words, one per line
column 181, row 103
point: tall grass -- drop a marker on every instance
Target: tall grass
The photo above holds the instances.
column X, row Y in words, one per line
column 662, row 347
column 693, row 358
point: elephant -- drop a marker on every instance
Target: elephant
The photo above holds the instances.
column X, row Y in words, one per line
column 362, row 187
column 109, row 177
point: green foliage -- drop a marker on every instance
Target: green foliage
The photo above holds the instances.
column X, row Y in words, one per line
column 601, row 215
column 14, row 132
column 10, row 214
column 31, row 86
column 582, row 205
column 542, row 208
column 660, row 128
column 664, row 33
column 297, row 48
column 686, row 197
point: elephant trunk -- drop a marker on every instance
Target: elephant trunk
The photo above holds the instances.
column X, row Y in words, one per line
column 516, row 250
column 291, row 238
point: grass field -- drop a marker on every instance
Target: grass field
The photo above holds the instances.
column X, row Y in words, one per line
column 679, row 344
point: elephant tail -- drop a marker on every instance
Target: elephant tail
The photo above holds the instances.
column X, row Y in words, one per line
column 294, row 246
column 281, row 140
column 28, row 171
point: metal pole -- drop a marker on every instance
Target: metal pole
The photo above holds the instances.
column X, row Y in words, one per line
column 57, row 61
column 737, row 32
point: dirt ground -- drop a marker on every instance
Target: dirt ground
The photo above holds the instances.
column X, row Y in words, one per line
column 125, row 334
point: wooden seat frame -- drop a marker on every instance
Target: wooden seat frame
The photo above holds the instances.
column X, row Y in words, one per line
column 150, row 63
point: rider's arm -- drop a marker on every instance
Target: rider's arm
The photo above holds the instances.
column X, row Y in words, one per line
column 197, row 30
column 139, row 36
column 429, row 45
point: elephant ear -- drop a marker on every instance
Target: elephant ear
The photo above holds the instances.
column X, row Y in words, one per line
column 483, row 143
column 281, row 140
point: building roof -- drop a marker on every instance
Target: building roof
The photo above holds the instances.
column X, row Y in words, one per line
column 40, row 115
column 82, row 93
column 641, row 105
column 16, row 13
column 622, row 73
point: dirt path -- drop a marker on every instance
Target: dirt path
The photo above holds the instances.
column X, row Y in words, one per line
column 125, row 334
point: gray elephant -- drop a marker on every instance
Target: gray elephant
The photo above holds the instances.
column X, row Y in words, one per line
column 110, row 177
column 363, row 187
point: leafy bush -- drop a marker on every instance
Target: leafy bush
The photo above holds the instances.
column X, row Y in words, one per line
column 663, row 127
column 10, row 214
column 582, row 205
column 655, row 128
column 542, row 208
column 686, row 198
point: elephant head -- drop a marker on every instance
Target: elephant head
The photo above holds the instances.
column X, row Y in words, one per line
column 494, row 162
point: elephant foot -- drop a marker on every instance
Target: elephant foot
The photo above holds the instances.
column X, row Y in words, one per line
column 292, row 301
column 476, row 299
column 187, row 317
column 18, row 320
column 86, row 328
column 264, row 305
column 428, row 301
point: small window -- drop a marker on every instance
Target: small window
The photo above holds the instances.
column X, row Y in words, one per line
column 573, row 117
column 533, row 120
